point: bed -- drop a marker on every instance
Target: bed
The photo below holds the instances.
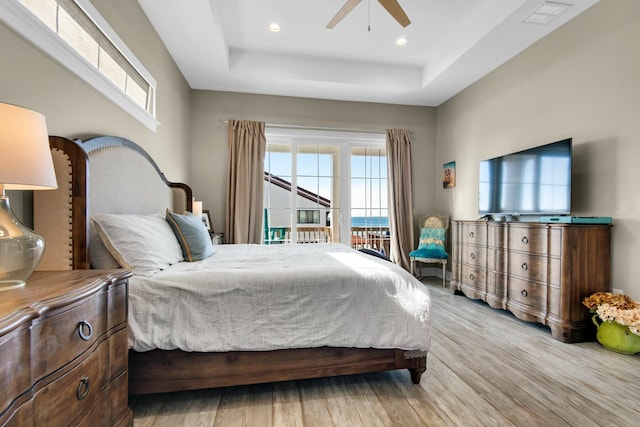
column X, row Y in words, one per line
column 278, row 313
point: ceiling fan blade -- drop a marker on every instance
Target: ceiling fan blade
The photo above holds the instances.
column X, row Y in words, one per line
column 394, row 8
column 344, row 11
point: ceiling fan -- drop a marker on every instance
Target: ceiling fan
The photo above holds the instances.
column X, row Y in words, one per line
column 392, row 7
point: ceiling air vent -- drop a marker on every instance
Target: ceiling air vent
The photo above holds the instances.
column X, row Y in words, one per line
column 546, row 12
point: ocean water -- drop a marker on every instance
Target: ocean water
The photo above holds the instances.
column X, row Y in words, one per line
column 373, row 221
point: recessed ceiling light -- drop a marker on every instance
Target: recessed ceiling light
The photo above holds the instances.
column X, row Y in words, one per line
column 401, row 41
column 274, row 27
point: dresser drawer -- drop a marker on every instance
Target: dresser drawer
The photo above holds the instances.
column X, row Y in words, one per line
column 118, row 353
column 21, row 417
column 119, row 400
column 117, row 305
column 15, row 374
column 496, row 259
column 495, row 235
column 98, row 414
column 474, row 234
column 527, row 266
column 528, row 293
column 496, row 284
column 553, row 300
column 66, row 335
column 473, row 276
column 75, row 392
column 528, row 239
column 474, row 255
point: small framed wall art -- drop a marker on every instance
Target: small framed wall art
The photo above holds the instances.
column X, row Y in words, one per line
column 206, row 220
column 449, row 175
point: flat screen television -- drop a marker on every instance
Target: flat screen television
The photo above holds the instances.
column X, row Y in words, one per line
column 536, row 181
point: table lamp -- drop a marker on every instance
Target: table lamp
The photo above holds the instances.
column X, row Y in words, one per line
column 25, row 164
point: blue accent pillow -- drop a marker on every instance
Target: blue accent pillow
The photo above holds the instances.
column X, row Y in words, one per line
column 193, row 236
column 431, row 244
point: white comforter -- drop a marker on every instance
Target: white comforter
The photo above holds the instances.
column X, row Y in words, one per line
column 254, row 297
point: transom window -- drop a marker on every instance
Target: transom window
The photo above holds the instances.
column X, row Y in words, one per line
column 75, row 34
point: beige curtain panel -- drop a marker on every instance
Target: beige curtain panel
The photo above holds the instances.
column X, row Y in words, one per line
column 247, row 145
column 400, row 196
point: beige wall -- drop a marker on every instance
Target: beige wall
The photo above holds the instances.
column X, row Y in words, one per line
column 582, row 81
column 73, row 109
column 209, row 149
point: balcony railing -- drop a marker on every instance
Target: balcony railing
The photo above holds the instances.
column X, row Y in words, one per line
column 377, row 238
column 316, row 234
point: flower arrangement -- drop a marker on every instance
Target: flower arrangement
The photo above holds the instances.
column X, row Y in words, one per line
column 615, row 308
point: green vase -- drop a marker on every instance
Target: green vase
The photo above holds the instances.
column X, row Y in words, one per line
column 616, row 337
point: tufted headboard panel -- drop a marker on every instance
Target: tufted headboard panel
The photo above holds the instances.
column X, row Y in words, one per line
column 60, row 215
column 101, row 175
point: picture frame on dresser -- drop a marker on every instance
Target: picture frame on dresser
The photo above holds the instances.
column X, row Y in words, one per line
column 206, row 220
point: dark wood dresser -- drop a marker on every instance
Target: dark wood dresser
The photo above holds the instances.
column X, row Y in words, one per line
column 63, row 350
column 539, row 272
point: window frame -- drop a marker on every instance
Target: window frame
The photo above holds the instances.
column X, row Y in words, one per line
column 345, row 140
column 24, row 22
column 312, row 216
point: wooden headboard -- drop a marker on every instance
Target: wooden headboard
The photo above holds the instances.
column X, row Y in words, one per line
column 106, row 174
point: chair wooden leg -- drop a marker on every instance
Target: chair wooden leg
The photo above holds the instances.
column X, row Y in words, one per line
column 444, row 275
column 414, row 269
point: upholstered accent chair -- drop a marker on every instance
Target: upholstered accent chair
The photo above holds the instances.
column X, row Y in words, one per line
column 433, row 243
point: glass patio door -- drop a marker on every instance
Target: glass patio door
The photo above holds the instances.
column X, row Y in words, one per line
column 369, row 203
column 323, row 187
column 302, row 190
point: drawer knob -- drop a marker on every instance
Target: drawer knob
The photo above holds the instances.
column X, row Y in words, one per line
column 471, row 234
column 524, row 293
column 82, row 326
column 525, row 240
column 472, row 255
column 472, row 277
column 524, row 266
column 83, row 388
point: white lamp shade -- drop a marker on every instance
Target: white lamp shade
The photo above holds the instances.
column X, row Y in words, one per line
column 25, row 156
column 25, row 164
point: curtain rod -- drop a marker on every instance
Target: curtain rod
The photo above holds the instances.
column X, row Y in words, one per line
column 319, row 128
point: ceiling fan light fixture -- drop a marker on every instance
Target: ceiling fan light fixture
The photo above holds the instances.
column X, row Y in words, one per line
column 274, row 27
column 401, row 41
column 391, row 6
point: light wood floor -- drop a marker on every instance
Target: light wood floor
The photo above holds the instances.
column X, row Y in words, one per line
column 485, row 368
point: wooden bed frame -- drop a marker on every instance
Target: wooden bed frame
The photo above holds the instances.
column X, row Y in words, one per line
column 159, row 371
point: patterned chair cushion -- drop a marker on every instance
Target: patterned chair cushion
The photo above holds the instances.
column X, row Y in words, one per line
column 431, row 244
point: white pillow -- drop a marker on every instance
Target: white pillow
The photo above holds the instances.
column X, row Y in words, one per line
column 144, row 244
column 99, row 255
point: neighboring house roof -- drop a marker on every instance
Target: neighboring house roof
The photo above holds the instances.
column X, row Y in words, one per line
column 302, row 192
